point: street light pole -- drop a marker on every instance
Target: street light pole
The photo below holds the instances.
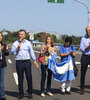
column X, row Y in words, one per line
column 87, row 9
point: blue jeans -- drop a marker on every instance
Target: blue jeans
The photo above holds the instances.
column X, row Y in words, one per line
column 2, row 75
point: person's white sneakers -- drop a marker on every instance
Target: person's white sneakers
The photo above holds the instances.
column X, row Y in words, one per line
column 49, row 93
column 42, row 95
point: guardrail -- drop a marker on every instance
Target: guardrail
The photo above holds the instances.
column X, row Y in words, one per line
column 57, row 45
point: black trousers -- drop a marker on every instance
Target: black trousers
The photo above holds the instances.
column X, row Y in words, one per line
column 43, row 77
column 85, row 61
column 21, row 67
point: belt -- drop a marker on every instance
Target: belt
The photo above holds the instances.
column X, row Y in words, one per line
column 44, row 64
column 0, row 60
column 23, row 60
column 86, row 55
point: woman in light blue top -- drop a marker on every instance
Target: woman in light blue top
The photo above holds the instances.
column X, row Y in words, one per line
column 65, row 50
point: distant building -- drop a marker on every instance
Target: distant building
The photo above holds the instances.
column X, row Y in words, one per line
column 4, row 32
column 31, row 36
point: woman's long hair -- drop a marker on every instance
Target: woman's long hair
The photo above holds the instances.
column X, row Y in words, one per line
column 2, row 38
column 52, row 43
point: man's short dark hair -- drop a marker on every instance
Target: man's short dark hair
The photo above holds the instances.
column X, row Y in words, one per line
column 22, row 30
column 68, row 39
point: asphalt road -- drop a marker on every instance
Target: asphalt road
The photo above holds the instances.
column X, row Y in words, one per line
column 11, row 83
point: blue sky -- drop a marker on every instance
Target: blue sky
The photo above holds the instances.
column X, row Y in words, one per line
column 38, row 15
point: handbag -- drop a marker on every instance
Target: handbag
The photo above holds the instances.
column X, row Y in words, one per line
column 41, row 58
column 75, row 71
column 75, row 68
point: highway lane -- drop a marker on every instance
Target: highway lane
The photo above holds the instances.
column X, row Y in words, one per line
column 11, row 87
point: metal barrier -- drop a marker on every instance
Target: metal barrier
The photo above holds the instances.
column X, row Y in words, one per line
column 57, row 45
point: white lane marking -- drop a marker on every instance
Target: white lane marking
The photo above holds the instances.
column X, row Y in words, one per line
column 78, row 63
column 89, row 66
column 9, row 61
column 16, row 78
column 58, row 57
column 37, row 51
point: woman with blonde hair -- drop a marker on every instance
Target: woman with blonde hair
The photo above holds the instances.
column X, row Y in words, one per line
column 47, row 49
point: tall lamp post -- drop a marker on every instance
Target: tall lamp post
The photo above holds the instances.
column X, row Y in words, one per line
column 87, row 9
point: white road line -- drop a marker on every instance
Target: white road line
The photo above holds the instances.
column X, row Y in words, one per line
column 89, row 66
column 77, row 63
column 9, row 61
column 16, row 78
column 58, row 57
column 37, row 51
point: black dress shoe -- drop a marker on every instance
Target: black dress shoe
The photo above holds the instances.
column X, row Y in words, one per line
column 20, row 96
column 30, row 96
column 2, row 98
column 82, row 92
column 68, row 92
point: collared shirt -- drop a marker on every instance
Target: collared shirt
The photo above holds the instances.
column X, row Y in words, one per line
column 24, row 52
column 64, row 50
column 85, row 43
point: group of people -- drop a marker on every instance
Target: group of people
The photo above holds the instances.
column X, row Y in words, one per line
column 23, row 50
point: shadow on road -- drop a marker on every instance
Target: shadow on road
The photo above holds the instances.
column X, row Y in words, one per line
column 15, row 94
column 37, row 92
column 10, row 93
column 73, row 89
column 53, row 90
column 76, row 90
column 87, row 86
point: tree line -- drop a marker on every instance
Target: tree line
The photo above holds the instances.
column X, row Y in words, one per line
column 41, row 37
column 13, row 36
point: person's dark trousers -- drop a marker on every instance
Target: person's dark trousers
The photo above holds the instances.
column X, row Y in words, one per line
column 44, row 69
column 85, row 61
column 21, row 67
